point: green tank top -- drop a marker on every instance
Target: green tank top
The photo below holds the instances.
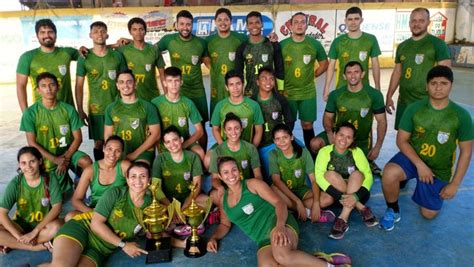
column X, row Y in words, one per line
column 252, row 214
column 98, row 189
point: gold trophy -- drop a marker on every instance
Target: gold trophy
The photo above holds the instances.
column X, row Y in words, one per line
column 194, row 216
column 155, row 220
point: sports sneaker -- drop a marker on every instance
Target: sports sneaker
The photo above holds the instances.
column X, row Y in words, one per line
column 338, row 229
column 214, row 216
column 185, row 230
column 389, row 219
column 375, row 169
column 368, row 217
column 337, row 259
column 326, row 216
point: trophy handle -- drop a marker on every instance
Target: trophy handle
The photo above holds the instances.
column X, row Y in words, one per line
column 177, row 208
column 207, row 208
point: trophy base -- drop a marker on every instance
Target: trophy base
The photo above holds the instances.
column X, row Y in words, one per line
column 195, row 249
column 161, row 254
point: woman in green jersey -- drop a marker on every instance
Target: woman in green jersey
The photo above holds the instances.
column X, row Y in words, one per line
column 102, row 175
column 263, row 216
column 38, row 202
column 89, row 238
column 289, row 166
column 343, row 173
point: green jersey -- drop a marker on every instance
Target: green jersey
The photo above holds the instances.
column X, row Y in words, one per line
column 53, row 128
column 121, row 214
column 177, row 176
column 186, row 55
column 435, row 133
column 222, row 53
column 34, row 62
column 101, row 73
column 299, row 58
column 417, row 58
column 254, row 216
column 248, row 111
column 33, row 203
column 143, row 63
column 250, row 58
column 276, row 110
column 292, row 170
column 357, row 108
column 98, row 189
column 345, row 49
column 131, row 121
column 345, row 164
column 247, row 158
column 177, row 113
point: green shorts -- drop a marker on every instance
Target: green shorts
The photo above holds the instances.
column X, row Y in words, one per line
column 398, row 115
column 96, row 127
column 148, row 155
column 300, row 191
column 201, row 104
column 79, row 232
column 306, row 108
column 290, row 222
column 64, row 180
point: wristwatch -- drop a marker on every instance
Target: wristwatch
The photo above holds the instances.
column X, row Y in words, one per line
column 121, row 244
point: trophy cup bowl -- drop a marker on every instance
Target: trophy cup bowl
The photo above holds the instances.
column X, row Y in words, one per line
column 156, row 218
column 194, row 215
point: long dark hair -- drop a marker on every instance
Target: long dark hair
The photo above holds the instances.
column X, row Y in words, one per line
column 35, row 152
column 298, row 150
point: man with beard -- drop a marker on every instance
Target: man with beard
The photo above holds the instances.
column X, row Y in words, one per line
column 186, row 52
column 46, row 58
column 101, row 67
column 414, row 58
column 300, row 53
column 357, row 103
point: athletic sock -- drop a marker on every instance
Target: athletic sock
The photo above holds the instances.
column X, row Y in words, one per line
column 308, row 134
column 98, row 154
column 394, row 206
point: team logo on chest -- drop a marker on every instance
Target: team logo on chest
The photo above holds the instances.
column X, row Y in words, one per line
column 44, row 201
column 245, row 122
column 249, row 58
column 112, row 74
column 362, row 55
column 351, row 169
column 443, row 137
column 194, row 59
column 298, row 173
column 306, row 59
column 419, row 58
column 248, row 209
column 364, row 112
column 275, row 115
column 182, row 121
column 64, row 129
column 62, row 69
column 264, row 57
column 135, row 123
column 244, row 163
column 147, row 67
column 231, row 56
column 187, row 175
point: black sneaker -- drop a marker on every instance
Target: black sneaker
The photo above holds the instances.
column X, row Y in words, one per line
column 339, row 228
column 368, row 217
column 375, row 169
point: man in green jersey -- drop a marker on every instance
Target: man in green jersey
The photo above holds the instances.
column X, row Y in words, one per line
column 178, row 110
column 245, row 108
column 46, row 58
column 54, row 128
column 430, row 131
column 357, row 103
column 300, row 53
column 133, row 119
column 186, row 52
column 414, row 58
column 355, row 45
column 143, row 59
column 256, row 53
column 222, row 48
column 100, row 67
